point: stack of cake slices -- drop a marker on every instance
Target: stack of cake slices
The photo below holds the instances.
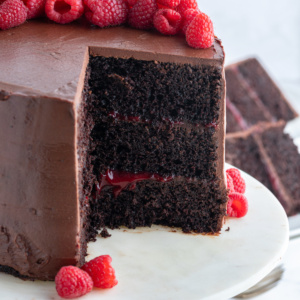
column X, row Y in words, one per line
column 257, row 113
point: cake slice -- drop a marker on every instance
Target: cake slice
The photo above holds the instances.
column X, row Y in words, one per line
column 270, row 156
column 252, row 97
column 104, row 128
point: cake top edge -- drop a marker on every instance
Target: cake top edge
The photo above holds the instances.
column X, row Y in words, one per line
column 49, row 58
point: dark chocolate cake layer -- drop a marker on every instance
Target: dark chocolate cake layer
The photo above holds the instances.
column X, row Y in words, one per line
column 164, row 148
column 252, row 97
column 193, row 205
column 155, row 90
column 269, row 155
column 47, row 169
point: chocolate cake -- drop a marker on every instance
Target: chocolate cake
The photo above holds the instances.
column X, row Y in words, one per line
column 269, row 155
column 104, row 128
column 256, row 112
column 252, row 97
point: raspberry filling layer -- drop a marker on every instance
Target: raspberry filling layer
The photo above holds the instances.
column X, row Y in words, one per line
column 120, row 117
column 236, row 113
column 121, row 180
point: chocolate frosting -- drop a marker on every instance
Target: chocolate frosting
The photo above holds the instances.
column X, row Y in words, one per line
column 42, row 71
column 52, row 55
column 39, row 222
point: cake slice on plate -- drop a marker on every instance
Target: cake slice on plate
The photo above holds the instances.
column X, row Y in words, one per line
column 270, row 156
column 252, row 97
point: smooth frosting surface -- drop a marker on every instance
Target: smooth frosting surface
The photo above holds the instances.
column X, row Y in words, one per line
column 39, row 218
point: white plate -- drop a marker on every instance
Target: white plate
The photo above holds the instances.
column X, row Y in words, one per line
column 155, row 263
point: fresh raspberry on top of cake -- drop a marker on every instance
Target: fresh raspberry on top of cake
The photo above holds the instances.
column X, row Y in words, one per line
column 142, row 13
column 12, row 13
column 186, row 4
column 101, row 271
column 64, row 11
column 187, row 17
column 167, row 21
column 200, row 32
column 131, row 2
column 104, row 13
column 169, row 3
column 36, row 8
column 72, row 282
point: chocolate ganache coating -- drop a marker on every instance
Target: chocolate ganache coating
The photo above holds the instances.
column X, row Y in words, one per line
column 43, row 66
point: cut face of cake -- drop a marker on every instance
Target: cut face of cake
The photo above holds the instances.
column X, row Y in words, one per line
column 104, row 128
column 269, row 155
column 252, row 97
column 156, row 127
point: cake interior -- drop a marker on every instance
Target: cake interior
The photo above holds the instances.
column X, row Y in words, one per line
column 149, row 136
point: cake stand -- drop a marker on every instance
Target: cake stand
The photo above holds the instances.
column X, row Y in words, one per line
column 160, row 263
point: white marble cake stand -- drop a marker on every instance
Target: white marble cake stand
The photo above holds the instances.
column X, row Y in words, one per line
column 154, row 263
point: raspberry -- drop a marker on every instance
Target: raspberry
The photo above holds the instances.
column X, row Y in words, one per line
column 200, row 32
column 230, row 185
column 131, row 2
column 12, row 13
column 237, row 205
column 187, row 17
column 72, row 282
column 101, row 272
column 159, row 6
column 238, row 182
column 64, row 11
column 169, row 3
column 36, row 8
column 105, row 13
column 142, row 13
column 186, row 4
column 167, row 21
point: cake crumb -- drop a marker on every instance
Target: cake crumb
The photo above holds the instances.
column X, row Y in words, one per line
column 228, row 229
column 104, row 233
